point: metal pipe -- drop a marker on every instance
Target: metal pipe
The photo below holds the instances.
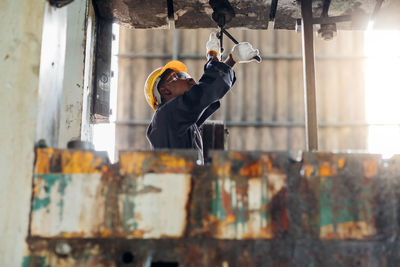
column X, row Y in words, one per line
column 171, row 18
column 272, row 10
column 309, row 76
column 325, row 8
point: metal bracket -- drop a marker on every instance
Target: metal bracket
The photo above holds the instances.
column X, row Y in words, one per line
column 223, row 13
column 60, row 3
column 171, row 18
column 272, row 12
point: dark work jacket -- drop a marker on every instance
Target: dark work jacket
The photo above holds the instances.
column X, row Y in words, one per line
column 175, row 123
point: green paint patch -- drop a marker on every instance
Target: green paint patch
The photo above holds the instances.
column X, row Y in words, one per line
column 350, row 210
column 49, row 181
column 217, row 209
column 34, row 261
column 325, row 202
column 39, row 203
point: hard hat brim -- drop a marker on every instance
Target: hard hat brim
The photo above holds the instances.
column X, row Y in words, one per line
column 175, row 65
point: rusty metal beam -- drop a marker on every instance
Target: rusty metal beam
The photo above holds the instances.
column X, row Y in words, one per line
column 309, row 76
column 244, row 209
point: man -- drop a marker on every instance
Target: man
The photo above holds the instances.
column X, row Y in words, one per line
column 181, row 105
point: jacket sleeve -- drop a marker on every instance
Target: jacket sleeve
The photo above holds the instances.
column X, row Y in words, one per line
column 216, row 81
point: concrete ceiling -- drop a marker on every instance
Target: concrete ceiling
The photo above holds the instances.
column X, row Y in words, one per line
column 249, row 14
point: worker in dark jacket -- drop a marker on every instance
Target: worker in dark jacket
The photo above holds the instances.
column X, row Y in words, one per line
column 181, row 105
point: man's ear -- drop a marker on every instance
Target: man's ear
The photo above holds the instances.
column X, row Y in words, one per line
column 164, row 91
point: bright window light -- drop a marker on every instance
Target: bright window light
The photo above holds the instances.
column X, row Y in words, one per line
column 104, row 134
column 383, row 91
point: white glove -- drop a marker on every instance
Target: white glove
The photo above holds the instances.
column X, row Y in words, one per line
column 213, row 44
column 244, row 52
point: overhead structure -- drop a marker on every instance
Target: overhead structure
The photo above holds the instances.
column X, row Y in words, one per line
column 249, row 14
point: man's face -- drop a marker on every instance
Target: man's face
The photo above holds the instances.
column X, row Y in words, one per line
column 175, row 84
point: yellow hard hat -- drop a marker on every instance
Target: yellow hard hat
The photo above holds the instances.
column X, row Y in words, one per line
column 150, row 86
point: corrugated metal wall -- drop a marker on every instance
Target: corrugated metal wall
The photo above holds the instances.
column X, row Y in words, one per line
column 265, row 108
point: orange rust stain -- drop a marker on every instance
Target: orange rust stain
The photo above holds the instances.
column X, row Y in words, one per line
column 370, row 167
column 341, row 163
column 224, row 169
column 43, row 156
column 326, row 169
column 254, row 169
column 308, row 169
column 209, row 224
column 80, row 162
column 173, row 162
column 236, row 155
column 106, row 232
column 267, row 231
column 133, row 162
column 130, row 161
column 137, row 233
column 71, row 162
column 226, row 200
column 327, row 232
column 267, row 161
column 72, row 235
column 37, row 186
column 230, row 218
column 353, row 230
column 262, row 233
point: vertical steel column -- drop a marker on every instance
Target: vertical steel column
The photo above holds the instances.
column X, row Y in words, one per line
column 102, row 84
column 309, row 76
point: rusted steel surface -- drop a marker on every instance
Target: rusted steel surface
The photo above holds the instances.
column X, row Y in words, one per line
column 243, row 196
column 244, row 209
column 154, row 193
column 67, row 189
column 346, row 196
column 75, row 194
column 212, row 252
